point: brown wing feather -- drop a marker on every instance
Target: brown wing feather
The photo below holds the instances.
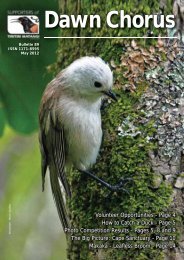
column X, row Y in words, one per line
column 53, row 150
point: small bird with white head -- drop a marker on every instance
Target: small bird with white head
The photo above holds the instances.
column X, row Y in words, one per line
column 70, row 125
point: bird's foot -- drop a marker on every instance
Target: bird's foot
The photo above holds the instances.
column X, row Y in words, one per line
column 120, row 186
column 113, row 188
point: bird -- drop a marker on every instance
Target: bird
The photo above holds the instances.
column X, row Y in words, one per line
column 70, row 131
column 28, row 25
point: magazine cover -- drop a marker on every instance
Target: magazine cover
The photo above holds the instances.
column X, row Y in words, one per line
column 92, row 130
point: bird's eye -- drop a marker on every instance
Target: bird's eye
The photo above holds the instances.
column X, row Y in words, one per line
column 97, row 84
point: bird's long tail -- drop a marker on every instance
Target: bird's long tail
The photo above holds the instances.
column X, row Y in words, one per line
column 58, row 198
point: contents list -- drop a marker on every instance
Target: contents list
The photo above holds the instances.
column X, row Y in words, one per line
column 129, row 230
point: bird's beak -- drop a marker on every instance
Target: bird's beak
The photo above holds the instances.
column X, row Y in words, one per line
column 110, row 94
column 15, row 21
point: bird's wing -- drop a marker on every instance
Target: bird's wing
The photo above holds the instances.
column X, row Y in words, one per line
column 53, row 151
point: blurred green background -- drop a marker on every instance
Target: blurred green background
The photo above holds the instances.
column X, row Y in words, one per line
column 29, row 225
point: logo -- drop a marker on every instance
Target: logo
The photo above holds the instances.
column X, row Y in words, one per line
column 23, row 24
